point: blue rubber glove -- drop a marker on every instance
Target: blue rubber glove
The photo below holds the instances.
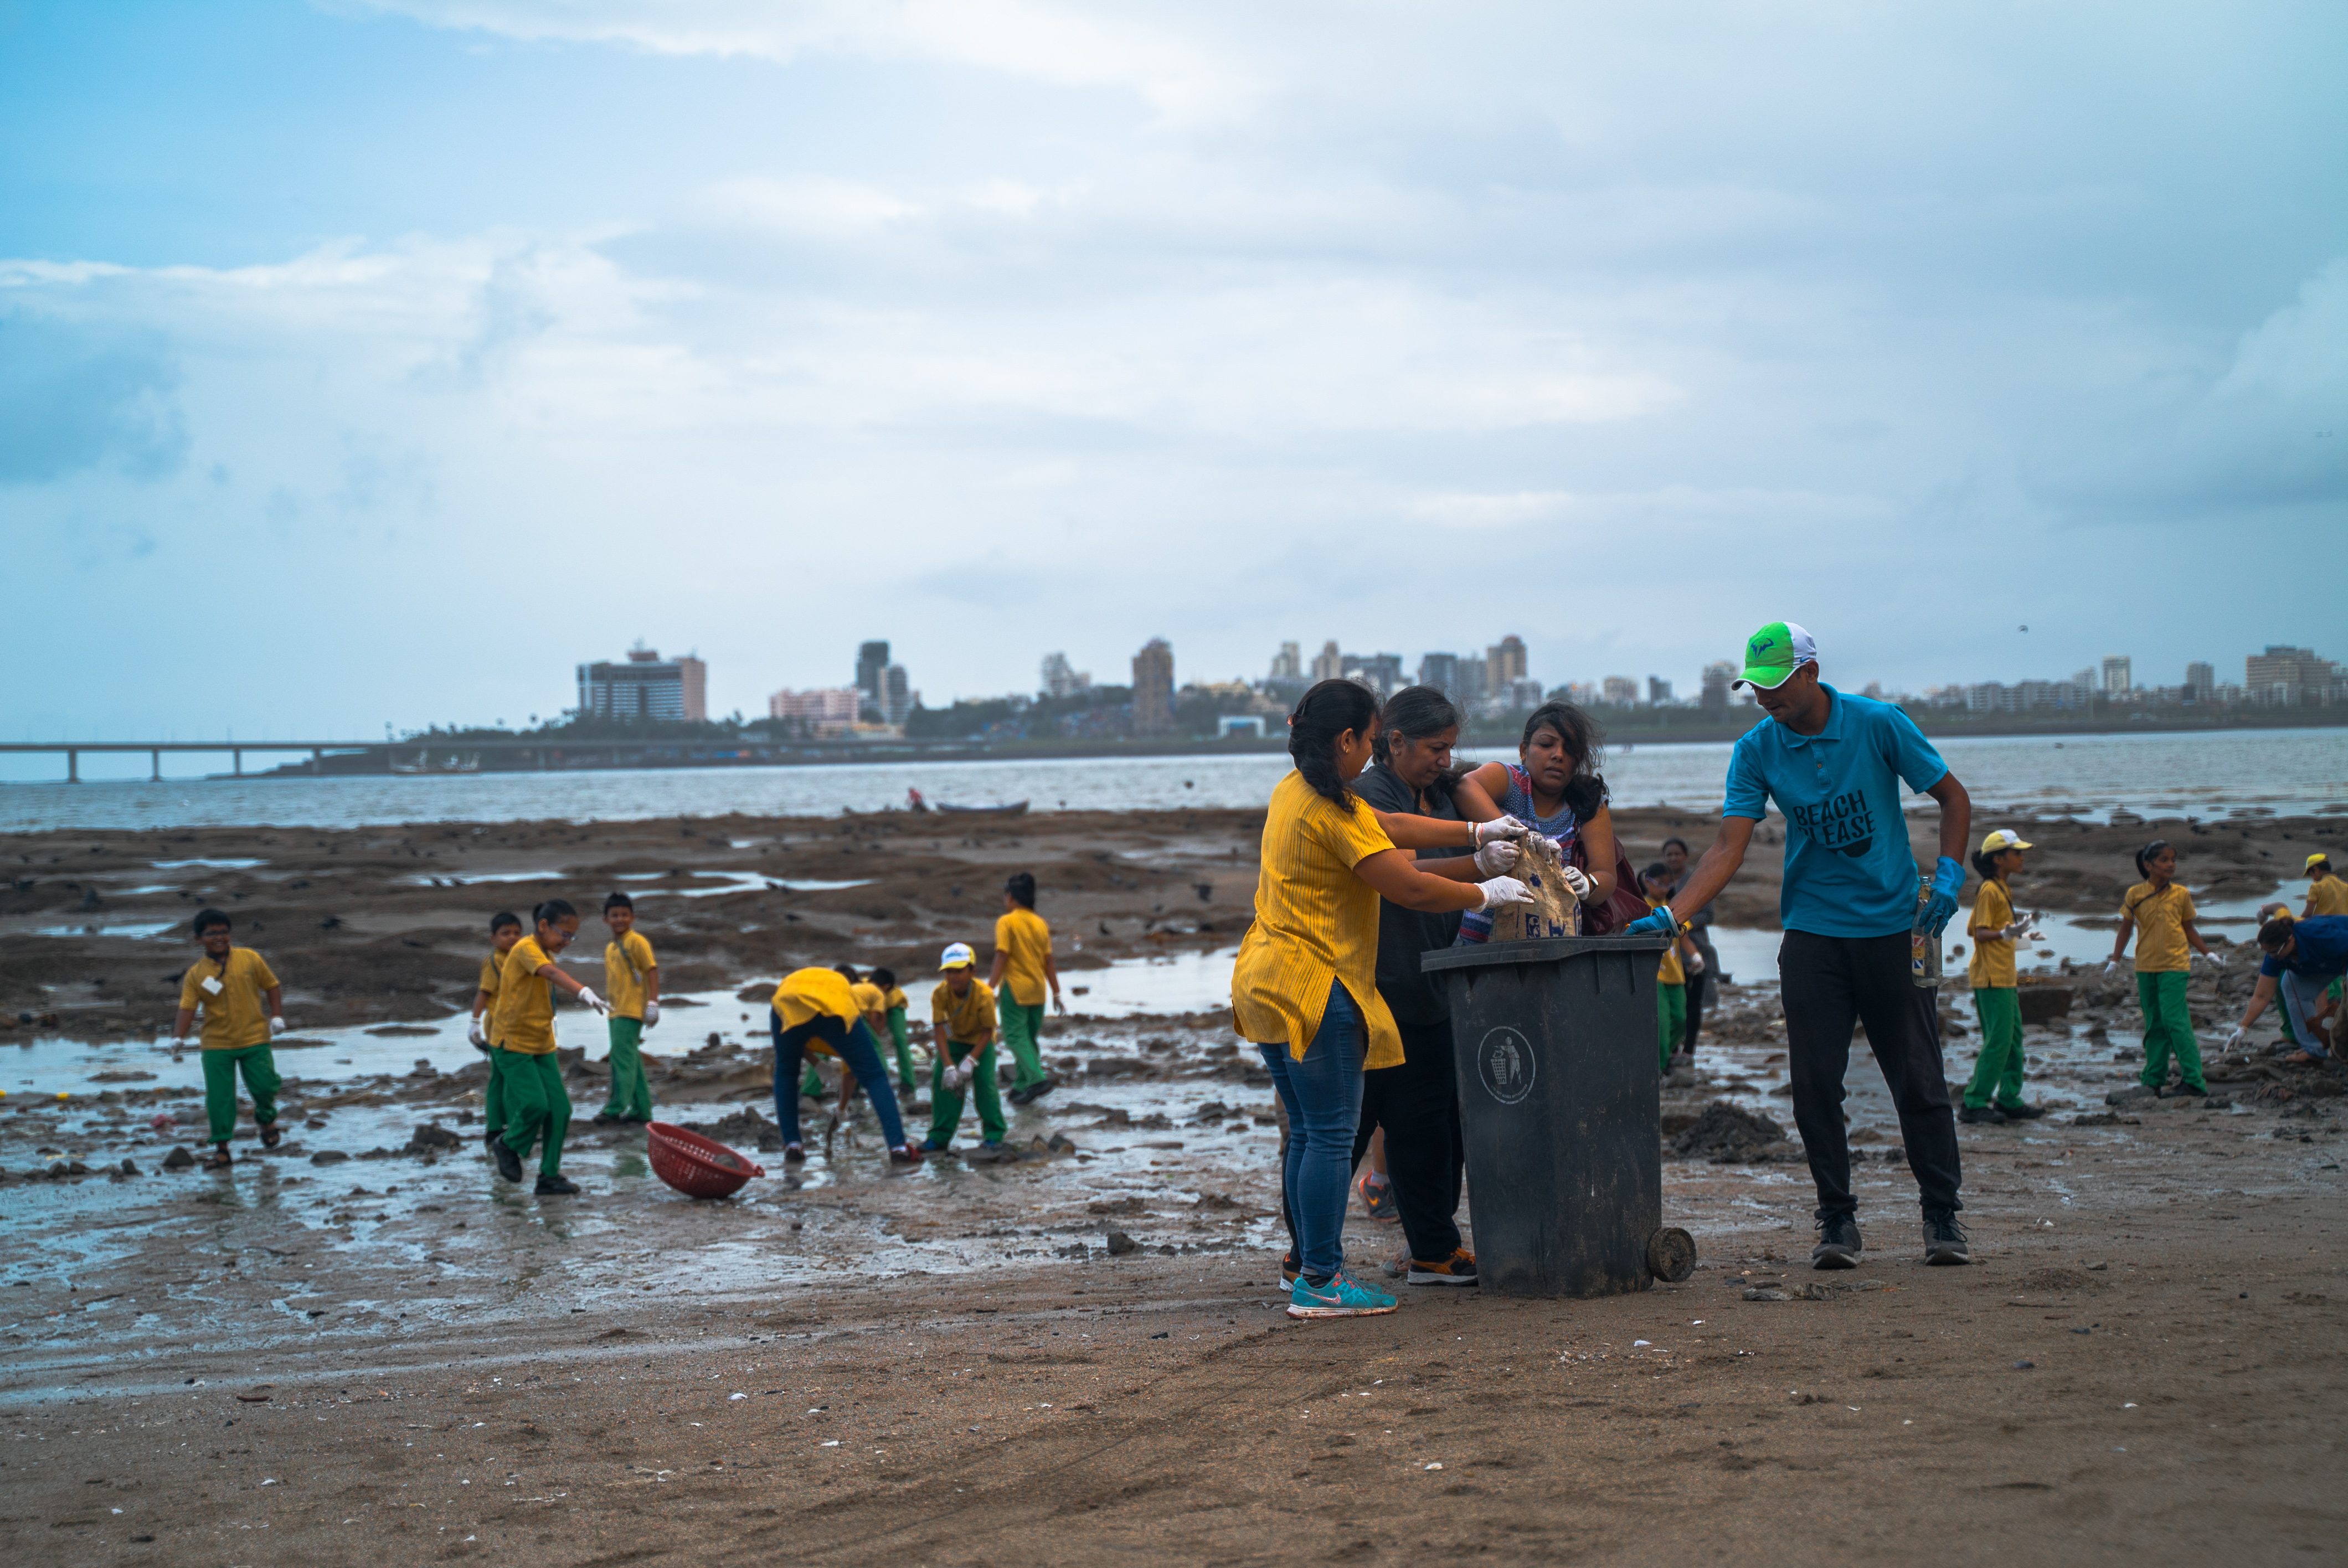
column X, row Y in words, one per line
column 1660, row 922
column 1948, row 875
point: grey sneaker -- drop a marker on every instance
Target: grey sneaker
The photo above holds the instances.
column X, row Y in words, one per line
column 1944, row 1240
column 1838, row 1244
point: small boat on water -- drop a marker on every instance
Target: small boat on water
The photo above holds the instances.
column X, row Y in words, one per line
column 997, row 808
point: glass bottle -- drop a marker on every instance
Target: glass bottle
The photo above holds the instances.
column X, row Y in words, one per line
column 1923, row 946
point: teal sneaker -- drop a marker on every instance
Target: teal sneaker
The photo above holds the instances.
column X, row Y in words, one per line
column 1341, row 1298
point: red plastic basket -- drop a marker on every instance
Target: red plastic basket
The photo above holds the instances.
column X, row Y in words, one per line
column 696, row 1166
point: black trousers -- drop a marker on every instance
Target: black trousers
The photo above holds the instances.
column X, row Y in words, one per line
column 1418, row 1105
column 1829, row 983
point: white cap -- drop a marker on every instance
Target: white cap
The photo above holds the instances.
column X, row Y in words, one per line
column 957, row 956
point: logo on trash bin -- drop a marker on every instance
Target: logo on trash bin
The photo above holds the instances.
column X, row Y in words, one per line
column 1505, row 1060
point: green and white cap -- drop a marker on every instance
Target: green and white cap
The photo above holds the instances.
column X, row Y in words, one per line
column 1773, row 653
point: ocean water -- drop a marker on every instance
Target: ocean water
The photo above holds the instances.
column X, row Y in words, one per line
column 2228, row 773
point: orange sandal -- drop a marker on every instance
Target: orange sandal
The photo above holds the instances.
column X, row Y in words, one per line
column 218, row 1159
column 269, row 1135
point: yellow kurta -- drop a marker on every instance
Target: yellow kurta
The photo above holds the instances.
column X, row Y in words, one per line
column 969, row 1017
column 807, row 994
column 1315, row 923
column 492, row 976
column 235, row 1013
column 2327, row 895
column 869, row 999
column 1671, row 971
column 1025, row 941
column 1992, row 960
column 2160, row 920
column 525, row 1011
column 624, row 963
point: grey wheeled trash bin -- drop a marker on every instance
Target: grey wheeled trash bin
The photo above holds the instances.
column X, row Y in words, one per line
column 1559, row 1109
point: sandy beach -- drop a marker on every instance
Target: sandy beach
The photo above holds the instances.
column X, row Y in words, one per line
column 361, row 1346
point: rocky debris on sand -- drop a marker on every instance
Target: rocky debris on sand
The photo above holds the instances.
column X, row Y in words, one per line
column 179, row 1159
column 1758, row 1294
column 744, row 1127
column 2043, row 1004
column 1811, row 1290
column 328, row 1157
column 1126, row 1206
column 1727, row 1134
column 1119, row 1244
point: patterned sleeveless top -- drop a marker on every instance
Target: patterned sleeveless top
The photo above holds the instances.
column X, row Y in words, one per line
column 1475, row 925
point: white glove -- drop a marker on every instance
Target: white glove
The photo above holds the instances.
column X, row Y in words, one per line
column 179, row 1043
column 587, row 999
column 958, row 1074
column 277, row 1026
column 651, row 1012
column 2111, row 967
column 2235, row 1037
column 1501, row 827
column 1502, row 890
column 1496, row 856
column 1695, row 963
column 2016, row 931
column 476, row 1035
column 1578, row 882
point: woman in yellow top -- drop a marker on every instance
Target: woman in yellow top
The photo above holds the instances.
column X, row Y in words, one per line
column 1305, row 988
column 1994, row 1093
column 2160, row 913
column 818, row 1009
column 536, row 1103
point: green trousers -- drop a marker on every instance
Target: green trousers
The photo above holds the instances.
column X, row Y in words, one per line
column 1020, row 1025
column 902, row 1038
column 1997, row 1071
column 259, row 1065
column 537, row 1104
column 2167, row 1026
column 630, row 1096
column 493, row 1095
column 1671, row 1020
column 945, row 1100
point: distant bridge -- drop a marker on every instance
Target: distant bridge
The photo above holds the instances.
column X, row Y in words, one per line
column 318, row 751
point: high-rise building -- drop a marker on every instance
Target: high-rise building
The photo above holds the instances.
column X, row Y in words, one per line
column 1287, row 665
column 1440, row 670
column 896, row 694
column 2287, row 675
column 645, row 686
column 872, row 662
column 1153, row 689
column 2118, row 680
column 1381, row 672
column 1659, row 691
column 1329, row 664
column 1523, row 695
column 1622, row 690
column 1716, row 677
column 1504, row 662
column 1061, row 681
column 2200, row 681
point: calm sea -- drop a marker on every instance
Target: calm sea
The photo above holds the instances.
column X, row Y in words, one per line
column 2255, row 772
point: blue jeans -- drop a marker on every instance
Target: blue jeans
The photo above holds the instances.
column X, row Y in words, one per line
column 856, row 1047
column 1322, row 1094
column 2302, row 995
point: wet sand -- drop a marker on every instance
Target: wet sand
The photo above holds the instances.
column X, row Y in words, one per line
column 455, row 1369
column 388, row 925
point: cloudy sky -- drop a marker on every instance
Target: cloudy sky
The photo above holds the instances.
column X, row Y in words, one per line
column 366, row 362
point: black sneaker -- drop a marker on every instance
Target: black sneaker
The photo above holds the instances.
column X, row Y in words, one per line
column 1459, row 1268
column 793, row 1155
column 2022, row 1112
column 557, row 1187
column 1290, row 1267
column 605, row 1119
column 1944, row 1240
column 1981, row 1116
column 1838, row 1244
column 509, row 1163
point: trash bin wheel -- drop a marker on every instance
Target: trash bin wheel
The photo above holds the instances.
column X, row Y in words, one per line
column 1671, row 1254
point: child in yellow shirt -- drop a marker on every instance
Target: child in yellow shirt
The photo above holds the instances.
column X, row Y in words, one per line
column 2160, row 913
column 962, row 1050
column 632, row 988
column 244, row 1010
column 1994, row 1093
column 1671, row 975
column 1023, row 967
column 505, row 930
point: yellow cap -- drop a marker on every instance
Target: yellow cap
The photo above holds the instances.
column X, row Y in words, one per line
column 2001, row 839
column 2316, row 859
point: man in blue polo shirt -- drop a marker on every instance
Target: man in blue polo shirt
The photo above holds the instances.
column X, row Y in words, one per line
column 1834, row 764
column 2302, row 957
